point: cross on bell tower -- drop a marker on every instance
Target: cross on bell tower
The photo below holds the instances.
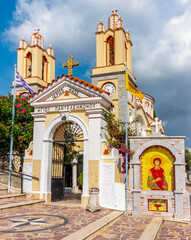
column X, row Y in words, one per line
column 70, row 64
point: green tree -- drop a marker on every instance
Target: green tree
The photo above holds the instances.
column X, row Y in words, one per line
column 23, row 124
column 187, row 159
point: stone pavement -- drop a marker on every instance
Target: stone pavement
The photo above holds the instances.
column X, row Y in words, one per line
column 172, row 230
column 45, row 222
column 126, row 228
column 61, row 219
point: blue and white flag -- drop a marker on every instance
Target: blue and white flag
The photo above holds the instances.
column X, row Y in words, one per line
column 22, row 83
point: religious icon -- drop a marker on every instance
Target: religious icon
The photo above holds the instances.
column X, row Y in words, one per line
column 156, row 177
column 160, row 205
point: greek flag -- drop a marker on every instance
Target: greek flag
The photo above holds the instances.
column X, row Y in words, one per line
column 21, row 82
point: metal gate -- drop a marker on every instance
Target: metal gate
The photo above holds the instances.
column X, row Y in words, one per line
column 68, row 132
column 58, row 172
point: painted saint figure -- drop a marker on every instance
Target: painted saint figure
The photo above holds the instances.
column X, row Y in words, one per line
column 156, row 177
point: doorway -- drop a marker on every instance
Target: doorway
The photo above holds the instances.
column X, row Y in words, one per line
column 67, row 143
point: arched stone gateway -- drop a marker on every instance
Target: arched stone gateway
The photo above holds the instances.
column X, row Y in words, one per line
column 83, row 106
column 67, row 157
column 157, row 177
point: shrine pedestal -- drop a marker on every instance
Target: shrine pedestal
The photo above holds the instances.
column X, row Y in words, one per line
column 93, row 205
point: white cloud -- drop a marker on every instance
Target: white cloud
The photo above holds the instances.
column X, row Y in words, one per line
column 171, row 52
column 70, row 26
column 161, row 38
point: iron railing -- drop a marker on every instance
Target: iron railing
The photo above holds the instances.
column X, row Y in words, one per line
column 17, row 167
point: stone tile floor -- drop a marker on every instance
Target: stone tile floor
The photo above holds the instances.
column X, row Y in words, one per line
column 45, row 222
column 126, row 228
column 54, row 221
column 171, row 230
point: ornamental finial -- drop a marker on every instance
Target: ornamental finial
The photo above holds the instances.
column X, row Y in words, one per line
column 114, row 10
column 37, row 30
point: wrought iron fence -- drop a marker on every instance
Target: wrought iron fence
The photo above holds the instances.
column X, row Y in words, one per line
column 16, row 168
column 17, row 162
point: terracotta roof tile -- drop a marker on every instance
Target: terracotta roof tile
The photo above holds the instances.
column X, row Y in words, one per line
column 72, row 78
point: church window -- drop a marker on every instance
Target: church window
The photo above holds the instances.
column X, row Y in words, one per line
column 151, row 110
column 110, row 51
column 44, row 68
column 130, row 116
column 28, row 72
column 140, row 127
column 146, row 107
column 131, row 119
column 125, row 53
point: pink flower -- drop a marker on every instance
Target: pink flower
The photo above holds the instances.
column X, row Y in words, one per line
column 24, row 110
column 20, row 127
column 19, row 105
column 24, row 123
column 23, row 99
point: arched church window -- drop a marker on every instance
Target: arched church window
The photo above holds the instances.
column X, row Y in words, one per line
column 151, row 110
column 125, row 53
column 44, row 68
column 111, row 51
column 28, row 72
column 140, row 127
column 130, row 116
column 146, row 107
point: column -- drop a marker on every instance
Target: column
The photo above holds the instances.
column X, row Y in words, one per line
column 74, row 176
column 38, row 133
column 179, row 187
column 95, row 124
column 85, row 195
column 46, row 170
column 136, row 189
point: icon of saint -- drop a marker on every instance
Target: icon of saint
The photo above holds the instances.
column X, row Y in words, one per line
column 156, row 177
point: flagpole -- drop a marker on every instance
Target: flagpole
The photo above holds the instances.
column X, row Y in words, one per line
column 126, row 142
column 11, row 143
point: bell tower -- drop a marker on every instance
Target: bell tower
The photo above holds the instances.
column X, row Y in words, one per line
column 113, row 54
column 113, row 46
column 35, row 64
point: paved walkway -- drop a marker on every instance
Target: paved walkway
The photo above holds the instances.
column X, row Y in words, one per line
column 56, row 221
column 175, row 230
column 126, row 228
column 172, row 230
column 45, row 222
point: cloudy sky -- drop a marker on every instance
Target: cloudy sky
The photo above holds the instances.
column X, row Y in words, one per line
column 160, row 32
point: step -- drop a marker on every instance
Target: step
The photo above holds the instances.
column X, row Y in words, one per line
column 152, row 229
column 3, row 191
column 20, row 204
column 91, row 230
column 12, row 196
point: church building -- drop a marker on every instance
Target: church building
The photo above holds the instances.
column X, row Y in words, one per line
column 68, row 99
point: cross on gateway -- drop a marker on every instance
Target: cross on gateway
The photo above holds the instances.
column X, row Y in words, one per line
column 156, row 123
column 70, row 64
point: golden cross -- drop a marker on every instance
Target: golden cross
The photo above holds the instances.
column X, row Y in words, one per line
column 70, row 64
